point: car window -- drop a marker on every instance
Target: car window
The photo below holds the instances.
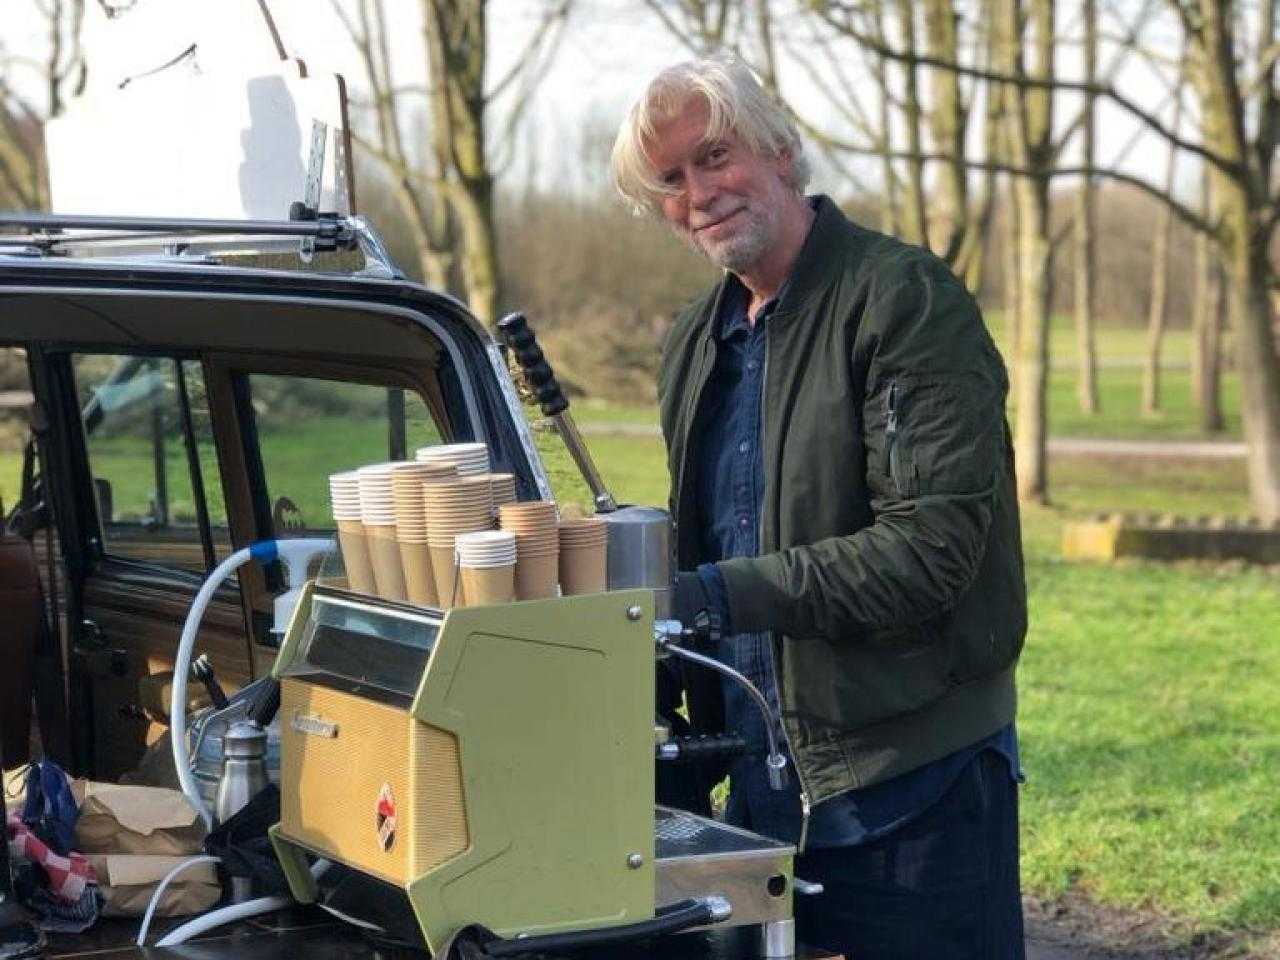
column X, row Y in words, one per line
column 148, row 461
column 309, row 428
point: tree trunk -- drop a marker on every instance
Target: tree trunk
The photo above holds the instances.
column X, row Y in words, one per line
column 1206, row 325
column 1036, row 297
column 1157, row 313
column 947, row 130
column 1250, row 309
column 1012, row 283
column 917, row 220
column 1085, row 232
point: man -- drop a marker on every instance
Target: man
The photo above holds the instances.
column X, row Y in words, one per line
column 844, row 505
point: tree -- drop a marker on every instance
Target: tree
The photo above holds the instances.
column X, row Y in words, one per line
column 23, row 171
column 446, row 189
column 1232, row 89
column 1034, row 153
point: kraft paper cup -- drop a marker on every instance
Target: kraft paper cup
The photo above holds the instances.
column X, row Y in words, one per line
column 504, row 489
column 537, row 577
column 355, row 556
column 583, row 569
column 384, row 552
column 419, row 574
column 484, row 586
column 486, row 547
column 471, row 459
column 486, row 562
column 442, row 565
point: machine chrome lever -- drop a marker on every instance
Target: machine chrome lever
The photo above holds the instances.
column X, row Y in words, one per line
column 537, row 372
column 776, row 761
column 806, row 888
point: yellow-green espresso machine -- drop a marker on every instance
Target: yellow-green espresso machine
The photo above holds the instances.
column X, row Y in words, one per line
column 495, row 766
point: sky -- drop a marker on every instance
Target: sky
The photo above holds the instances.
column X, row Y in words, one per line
column 609, row 50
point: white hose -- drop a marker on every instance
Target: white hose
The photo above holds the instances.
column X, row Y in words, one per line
column 181, row 667
column 160, row 888
column 237, row 911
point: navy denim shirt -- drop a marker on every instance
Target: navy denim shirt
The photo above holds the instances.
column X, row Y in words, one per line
column 730, row 489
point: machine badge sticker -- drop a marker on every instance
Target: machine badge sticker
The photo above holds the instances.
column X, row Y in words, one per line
column 386, row 817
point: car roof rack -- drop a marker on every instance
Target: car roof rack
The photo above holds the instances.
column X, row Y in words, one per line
column 307, row 233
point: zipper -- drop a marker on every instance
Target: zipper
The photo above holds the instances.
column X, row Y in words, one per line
column 891, row 436
column 805, row 806
column 681, row 498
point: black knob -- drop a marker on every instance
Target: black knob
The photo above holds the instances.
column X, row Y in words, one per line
column 538, row 374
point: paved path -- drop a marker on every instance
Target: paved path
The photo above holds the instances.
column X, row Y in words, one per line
column 1071, row 446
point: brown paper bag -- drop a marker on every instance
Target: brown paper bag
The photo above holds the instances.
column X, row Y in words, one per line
column 125, row 819
column 127, row 883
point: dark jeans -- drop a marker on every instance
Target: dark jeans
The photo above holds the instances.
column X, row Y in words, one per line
column 943, row 887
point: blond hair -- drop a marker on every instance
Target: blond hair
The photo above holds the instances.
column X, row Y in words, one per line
column 737, row 103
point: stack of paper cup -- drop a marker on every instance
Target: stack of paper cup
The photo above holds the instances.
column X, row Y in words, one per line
column 487, row 565
column 471, row 459
column 377, row 510
column 537, row 547
column 411, row 526
column 504, row 488
column 584, row 547
column 344, row 494
column 454, row 507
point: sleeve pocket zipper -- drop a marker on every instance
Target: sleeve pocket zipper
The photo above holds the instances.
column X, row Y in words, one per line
column 891, row 437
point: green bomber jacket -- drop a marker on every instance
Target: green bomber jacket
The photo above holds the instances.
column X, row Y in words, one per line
column 890, row 571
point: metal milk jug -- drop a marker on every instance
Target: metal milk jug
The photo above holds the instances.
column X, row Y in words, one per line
column 244, row 768
column 244, row 773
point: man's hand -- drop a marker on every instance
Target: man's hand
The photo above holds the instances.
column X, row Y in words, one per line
column 688, row 598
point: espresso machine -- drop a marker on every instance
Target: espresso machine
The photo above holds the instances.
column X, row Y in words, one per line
column 491, row 768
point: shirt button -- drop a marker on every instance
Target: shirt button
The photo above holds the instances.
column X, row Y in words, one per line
column 743, row 447
column 742, row 521
column 751, row 365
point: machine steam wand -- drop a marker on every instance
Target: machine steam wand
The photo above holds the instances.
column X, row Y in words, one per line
column 520, row 339
column 665, row 631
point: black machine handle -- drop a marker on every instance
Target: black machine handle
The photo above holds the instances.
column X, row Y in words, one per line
column 266, row 703
column 703, row 747
column 202, row 669
column 523, row 344
column 668, row 920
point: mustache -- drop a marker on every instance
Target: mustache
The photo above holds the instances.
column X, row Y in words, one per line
column 712, row 219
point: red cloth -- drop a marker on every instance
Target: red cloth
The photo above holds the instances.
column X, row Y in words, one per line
column 68, row 876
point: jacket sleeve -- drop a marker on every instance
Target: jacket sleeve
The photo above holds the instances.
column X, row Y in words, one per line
column 932, row 421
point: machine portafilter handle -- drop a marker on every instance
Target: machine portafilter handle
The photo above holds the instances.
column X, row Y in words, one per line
column 523, row 344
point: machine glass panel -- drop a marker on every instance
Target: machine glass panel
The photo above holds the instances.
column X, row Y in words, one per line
column 375, row 652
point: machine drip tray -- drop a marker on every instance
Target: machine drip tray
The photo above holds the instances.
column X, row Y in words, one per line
column 697, row 857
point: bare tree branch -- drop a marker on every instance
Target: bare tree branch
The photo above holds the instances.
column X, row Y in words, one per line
column 1122, row 100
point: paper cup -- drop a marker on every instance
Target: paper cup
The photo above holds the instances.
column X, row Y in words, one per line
column 583, row 569
column 442, row 566
column 537, row 577
column 355, row 556
column 419, row 575
column 484, row 586
column 384, row 552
